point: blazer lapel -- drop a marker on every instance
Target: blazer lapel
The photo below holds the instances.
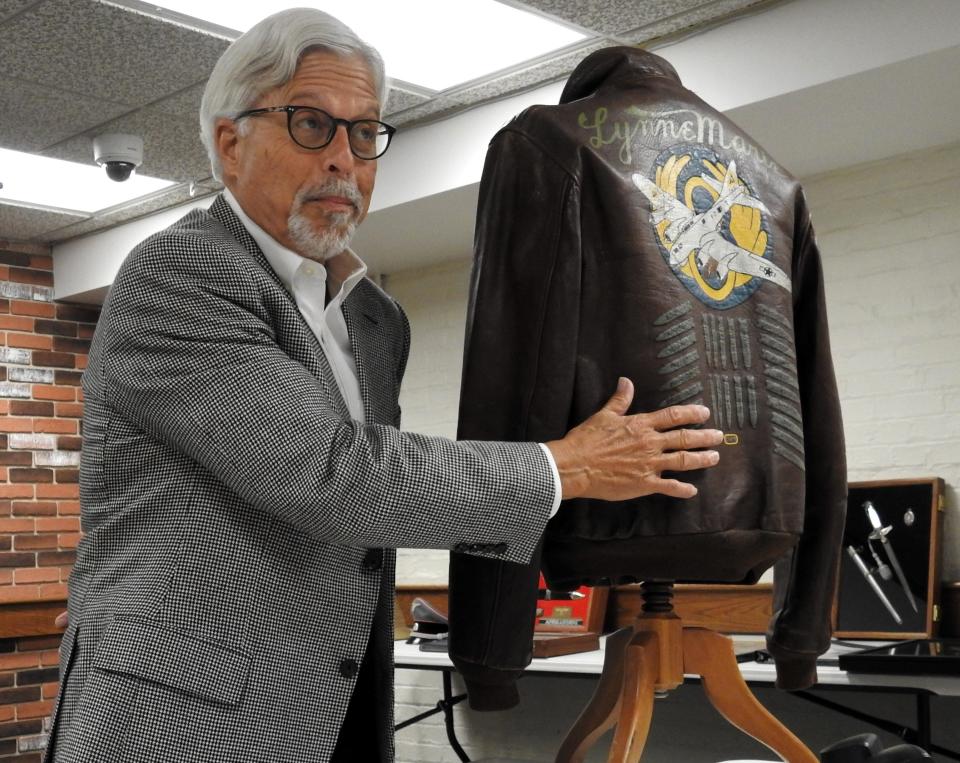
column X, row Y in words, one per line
column 362, row 316
column 293, row 333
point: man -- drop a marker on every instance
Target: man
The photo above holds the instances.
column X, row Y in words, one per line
column 243, row 480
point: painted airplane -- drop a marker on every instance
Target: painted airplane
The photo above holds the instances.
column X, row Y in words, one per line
column 689, row 231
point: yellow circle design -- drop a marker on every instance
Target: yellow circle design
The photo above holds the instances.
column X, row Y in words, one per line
column 745, row 223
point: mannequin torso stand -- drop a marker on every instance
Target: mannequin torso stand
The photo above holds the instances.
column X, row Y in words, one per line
column 651, row 657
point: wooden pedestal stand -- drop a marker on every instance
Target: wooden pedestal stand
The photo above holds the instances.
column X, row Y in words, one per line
column 652, row 656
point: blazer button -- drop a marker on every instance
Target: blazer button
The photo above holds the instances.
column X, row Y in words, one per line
column 349, row 668
column 373, row 560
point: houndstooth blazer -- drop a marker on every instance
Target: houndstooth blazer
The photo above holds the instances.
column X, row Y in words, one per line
column 238, row 525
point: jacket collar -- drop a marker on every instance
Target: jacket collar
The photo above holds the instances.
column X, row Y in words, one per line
column 221, row 211
column 618, row 68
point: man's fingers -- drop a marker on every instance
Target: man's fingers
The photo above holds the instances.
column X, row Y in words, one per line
column 687, row 460
column 615, row 457
column 691, row 439
column 676, row 416
column 619, row 403
column 61, row 620
column 673, row 488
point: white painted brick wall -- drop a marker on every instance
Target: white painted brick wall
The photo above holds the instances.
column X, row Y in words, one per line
column 435, row 300
column 890, row 236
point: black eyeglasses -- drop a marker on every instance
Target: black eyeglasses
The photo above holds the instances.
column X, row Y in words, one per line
column 314, row 128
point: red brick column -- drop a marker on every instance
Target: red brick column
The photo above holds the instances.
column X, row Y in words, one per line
column 43, row 351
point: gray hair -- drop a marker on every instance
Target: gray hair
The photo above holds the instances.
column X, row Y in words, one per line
column 267, row 56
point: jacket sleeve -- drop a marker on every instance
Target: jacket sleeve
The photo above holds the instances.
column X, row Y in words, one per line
column 805, row 580
column 188, row 351
column 517, row 385
column 403, row 355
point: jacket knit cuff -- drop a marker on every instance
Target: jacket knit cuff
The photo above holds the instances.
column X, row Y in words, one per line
column 796, row 673
column 487, row 697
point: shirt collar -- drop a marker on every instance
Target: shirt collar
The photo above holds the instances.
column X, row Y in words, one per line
column 286, row 262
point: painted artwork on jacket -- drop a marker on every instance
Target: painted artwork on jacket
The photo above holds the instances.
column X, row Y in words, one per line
column 710, row 226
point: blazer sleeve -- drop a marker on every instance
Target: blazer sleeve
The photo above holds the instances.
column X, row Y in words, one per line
column 188, row 351
column 517, row 385
column 402, row 350
column 806, row 579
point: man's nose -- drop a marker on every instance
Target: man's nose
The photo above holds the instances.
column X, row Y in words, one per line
column 337, row 154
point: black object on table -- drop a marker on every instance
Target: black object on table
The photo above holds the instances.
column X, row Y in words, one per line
column 927, row 656
column 867, row 748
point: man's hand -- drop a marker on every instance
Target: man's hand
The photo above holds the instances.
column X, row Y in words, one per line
column 615, row 457
column 61, row 621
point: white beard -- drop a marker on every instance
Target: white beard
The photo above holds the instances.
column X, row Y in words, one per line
column 321, row 245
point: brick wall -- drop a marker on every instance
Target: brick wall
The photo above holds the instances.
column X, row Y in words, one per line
column 28, row 686
column 43, row 351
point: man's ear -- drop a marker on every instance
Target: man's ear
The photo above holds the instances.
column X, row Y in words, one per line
column 227, row 139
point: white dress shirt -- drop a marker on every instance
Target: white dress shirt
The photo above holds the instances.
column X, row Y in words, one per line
column 306, row 280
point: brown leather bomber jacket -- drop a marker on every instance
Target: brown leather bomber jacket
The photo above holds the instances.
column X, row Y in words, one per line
column 632, row 230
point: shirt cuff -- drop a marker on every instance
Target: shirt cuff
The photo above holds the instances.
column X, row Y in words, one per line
column 557, row 486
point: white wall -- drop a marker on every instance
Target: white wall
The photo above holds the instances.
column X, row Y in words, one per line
column 890, row 238
column 435, row 300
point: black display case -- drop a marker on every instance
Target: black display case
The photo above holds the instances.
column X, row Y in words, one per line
column 889, row 583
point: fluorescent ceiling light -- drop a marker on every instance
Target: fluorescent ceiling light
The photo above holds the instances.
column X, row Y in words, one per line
column 435, row 44
column 32, row 179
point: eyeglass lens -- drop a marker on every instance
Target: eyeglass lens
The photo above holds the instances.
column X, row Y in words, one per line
column 312, row 128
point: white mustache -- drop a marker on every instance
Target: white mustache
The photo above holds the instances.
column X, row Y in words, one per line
column 332, row 187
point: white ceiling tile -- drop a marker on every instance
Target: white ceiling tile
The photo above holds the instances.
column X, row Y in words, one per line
column 171, row 145
column 27, row 224
column 614, row 17
column 10, row 8
column 184, row 103
column 35, row 116
column 104, row 52
column 696, row 17
column 620, row 18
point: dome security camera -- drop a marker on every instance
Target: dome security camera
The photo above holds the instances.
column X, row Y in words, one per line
column 119, row 154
